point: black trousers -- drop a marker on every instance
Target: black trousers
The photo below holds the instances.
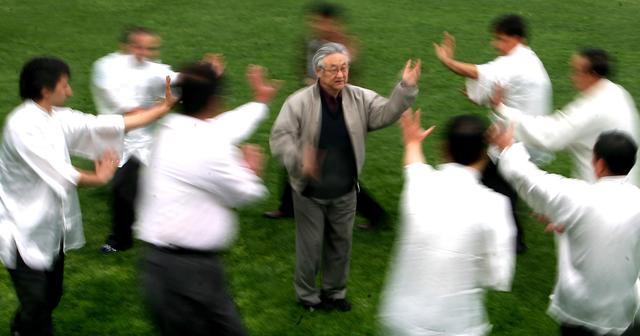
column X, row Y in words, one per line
column 186, row 293
column 366, row 206
column 124, row 193
column 492, row 179
column 39, row 293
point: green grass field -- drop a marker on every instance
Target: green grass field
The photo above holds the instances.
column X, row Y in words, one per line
column 102, row 292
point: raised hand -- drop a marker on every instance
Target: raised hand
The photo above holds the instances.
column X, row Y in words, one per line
column 411, row 72
column 263, row 89
column 216, row 61
column 447, row 48
column 169, row 98
column 412, row 132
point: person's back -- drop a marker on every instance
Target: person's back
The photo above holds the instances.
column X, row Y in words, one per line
column 443, row 257
column 456, row 240
column 599, row 255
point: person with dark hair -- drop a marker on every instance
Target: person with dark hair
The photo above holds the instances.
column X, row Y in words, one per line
column 40, row 216
column 601, row 106
column 597, row 233
column 319, row 136
column 122, row 83
column 456, row 238
column 526, row 86
column 187, row 199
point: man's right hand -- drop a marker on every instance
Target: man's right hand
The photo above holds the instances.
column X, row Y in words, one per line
column 263, row 89
column 447, row 48
column 106, row 166
column 310, row 166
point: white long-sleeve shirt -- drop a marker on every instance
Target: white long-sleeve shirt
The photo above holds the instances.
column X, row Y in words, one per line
column 456, row 240
column 195, row 178
column 604, row 107
column 599, row 251
column 38, row 201
column 121, row 83
column 526, row 85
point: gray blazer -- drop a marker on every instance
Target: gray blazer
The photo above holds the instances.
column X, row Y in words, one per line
column 298, row 123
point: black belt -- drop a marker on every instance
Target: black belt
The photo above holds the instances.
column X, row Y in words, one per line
column 183, row 251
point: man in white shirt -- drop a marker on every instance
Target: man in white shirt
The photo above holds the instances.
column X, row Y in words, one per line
column 122, row 83
column 600, row 106
column 455, row 241
column 197, row 176
column 526, row 85
column 598, row 241
column 39, row 210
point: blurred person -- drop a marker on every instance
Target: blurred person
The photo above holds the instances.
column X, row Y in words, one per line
column 122, row 83
column 601, row 105
column 187, row 201
column 455, row 241
column 598, row 235
column 319, row 136
column 40, row 217
column 526, row 86
column 326, row 24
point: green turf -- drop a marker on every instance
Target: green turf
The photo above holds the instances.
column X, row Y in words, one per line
column 102, row 293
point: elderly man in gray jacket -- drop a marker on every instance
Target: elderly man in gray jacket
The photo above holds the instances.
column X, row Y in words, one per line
column 319, row 136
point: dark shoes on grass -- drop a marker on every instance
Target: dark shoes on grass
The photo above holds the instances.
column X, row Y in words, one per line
column 328, row 304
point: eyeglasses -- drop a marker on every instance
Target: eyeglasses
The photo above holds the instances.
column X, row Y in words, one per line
column 333, row 71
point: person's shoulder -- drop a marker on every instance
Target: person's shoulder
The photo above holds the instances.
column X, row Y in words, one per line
column 110, row 59
column 303, row 94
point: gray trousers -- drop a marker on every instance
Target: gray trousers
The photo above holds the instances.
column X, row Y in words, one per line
column 323, row 243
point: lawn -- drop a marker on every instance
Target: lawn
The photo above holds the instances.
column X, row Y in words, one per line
column 102, row 292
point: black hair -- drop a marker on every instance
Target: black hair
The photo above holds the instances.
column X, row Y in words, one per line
column 510, row 25
column 198, row 83
column 618, row 151
column 601, row 63
column 40, row 73
column 134, row 30
column 466, row 139
column 326, row 10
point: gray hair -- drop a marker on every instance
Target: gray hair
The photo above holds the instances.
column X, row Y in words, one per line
column 326, row 50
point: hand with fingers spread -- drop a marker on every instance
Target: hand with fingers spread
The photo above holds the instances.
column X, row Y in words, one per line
column 446, row 49
column 411, row 72
column 263, row 90
column 412, row 132
column 413, row 135
column 106, row 166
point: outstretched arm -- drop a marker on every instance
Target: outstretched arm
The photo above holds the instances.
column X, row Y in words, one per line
column 144, row 117
column 445, row 52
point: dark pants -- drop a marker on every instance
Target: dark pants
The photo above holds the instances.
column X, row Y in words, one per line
column 186, row 293
column 125, row 190
column 492, row 179
column 572, row 330
column 39, row 293
column 367, row 206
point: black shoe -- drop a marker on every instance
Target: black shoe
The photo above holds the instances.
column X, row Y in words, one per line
column 276, row 214
column 320, row 306
column 339, row 304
